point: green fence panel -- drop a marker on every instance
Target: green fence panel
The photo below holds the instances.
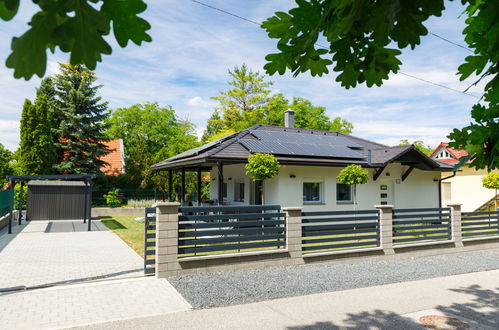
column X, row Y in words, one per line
column 4, row 202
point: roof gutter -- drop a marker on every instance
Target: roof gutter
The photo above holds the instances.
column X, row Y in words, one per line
column 440, row 187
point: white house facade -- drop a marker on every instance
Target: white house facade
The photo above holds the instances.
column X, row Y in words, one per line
column 310, row 162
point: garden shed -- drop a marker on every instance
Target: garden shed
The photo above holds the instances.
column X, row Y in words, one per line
column 53, row 197
column 56, row 200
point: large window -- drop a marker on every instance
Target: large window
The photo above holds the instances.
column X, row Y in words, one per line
column 343, row 193
column 312, row 192
column 239, row 191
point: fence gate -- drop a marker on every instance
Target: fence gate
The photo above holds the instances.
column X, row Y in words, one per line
column 150, row 241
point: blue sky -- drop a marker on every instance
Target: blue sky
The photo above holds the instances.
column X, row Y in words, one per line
column 194, row 46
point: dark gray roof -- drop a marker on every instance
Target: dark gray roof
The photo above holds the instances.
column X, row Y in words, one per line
column 299, row 146
column 56, row 183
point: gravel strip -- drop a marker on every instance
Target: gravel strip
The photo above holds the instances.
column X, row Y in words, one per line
column 235, row 287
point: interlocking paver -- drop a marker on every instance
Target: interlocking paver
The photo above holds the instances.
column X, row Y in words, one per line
column 73, row 305
column 45, row 253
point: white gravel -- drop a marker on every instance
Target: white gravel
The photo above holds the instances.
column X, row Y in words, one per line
column 249, row 285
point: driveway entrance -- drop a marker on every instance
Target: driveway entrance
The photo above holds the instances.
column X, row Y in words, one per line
column 46, row 253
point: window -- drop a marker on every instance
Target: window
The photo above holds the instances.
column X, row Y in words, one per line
column 312, row 193
column 343, row 193
column 239, row 191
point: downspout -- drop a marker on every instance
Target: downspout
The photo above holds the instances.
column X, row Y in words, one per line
column 440, row 187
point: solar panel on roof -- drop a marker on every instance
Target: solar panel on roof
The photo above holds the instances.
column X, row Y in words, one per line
column 300, row 149
column 304, row 138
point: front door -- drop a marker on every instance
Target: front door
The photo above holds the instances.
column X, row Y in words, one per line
column 256, row 192
column 386, row 192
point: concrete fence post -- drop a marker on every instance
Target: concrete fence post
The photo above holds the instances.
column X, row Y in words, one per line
column 167, row 239
column 386, row 228
column 455, row 220
column 294, row 233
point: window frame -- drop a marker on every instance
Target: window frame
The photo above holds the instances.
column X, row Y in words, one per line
column 237, row 188
column 321, row 193
column 350, row 201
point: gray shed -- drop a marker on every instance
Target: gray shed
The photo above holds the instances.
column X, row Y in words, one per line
column 56, row 200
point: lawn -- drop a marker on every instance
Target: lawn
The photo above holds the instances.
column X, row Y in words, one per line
column 129, row 230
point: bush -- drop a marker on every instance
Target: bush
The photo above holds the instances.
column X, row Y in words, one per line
column 353, row 174
column 112, row 198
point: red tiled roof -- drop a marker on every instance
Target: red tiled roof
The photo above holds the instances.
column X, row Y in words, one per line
column 114, row 158
column 454, row 152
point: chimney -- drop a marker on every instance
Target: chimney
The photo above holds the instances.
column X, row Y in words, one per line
column 289, row 118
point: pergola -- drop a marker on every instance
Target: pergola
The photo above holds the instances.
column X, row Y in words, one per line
column 22, row 179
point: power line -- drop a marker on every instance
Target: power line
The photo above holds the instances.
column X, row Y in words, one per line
column 451, row 42
column 439, row 85
column 324, row 47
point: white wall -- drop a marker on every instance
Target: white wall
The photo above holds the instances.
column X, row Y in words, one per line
column 466, row 188
column 420, row 189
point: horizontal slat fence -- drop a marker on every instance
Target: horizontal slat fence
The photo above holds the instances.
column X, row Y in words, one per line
column 480, row 224
column 150, row 241
column 206, row 230
column 339, row 230
column 421, row 225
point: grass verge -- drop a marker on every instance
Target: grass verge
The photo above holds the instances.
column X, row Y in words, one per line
column 129, row 230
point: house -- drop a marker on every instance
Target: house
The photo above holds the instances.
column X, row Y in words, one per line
column 310, row 161
column 466, row 186
column 115, row 159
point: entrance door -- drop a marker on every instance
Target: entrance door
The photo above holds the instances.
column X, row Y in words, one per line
column 386, row 192
column 256, row 188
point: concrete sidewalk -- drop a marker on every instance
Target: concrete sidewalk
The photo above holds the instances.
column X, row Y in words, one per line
column 472, row 298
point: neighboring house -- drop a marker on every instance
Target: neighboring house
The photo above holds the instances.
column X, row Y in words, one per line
column 310, row 161
column 466, row 186
column 115, row 159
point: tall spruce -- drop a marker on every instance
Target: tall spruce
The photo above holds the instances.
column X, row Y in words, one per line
column 37, row 154
column 81, row 115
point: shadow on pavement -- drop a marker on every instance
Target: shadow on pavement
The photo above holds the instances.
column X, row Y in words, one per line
column 482, row 311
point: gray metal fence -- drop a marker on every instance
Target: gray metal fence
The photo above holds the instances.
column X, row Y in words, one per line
column 479, row 224
column 420, row 225
column 340, row 230
column 228, row 229
column 150, row 240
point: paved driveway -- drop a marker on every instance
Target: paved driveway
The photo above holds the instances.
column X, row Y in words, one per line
column 42, row 253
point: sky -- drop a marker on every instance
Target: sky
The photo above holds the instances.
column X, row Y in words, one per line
column 193, row 47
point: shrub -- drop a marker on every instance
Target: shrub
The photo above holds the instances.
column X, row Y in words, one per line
column 112, row 198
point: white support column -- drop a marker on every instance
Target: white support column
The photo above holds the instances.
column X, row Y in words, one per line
column 455, row 218
column 167, row 239
column 386, row 228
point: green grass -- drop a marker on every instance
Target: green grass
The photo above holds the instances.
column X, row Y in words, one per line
column 128, row 229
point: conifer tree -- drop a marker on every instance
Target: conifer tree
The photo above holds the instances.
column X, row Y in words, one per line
column 37, row 154
column 81, row 116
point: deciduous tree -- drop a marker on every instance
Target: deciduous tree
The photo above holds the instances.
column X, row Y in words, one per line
column 77, row 27
column 426, row 149
column 150, row 134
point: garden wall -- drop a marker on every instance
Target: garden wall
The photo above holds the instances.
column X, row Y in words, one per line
column 121, row 211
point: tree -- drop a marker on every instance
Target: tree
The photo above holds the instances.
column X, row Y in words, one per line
column 353, row 175
column 5, row 166
column 150, row 134
column 37, row 153
column 81, row 115
column 75, row 27
column 261, row 167
column 244, row 102
column 426, row 149
column 361, row 36
column 491, row 181
column 249, row 102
